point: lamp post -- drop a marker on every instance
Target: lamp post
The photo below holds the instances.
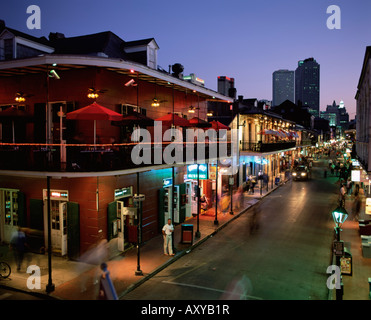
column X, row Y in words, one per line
column 198, row 233
column 339, row 215
column 216, row 222
column 138, row 200
column 50, row 286
column 231, row 183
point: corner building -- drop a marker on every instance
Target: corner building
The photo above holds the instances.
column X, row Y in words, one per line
column 85, row 165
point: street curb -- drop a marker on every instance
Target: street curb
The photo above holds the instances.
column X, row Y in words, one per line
column 35, row 294
column 186, row 251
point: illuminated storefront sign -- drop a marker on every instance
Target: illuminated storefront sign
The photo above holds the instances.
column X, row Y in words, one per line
column 56, row 194
column 356, row 175
column 167, row 182
column 192, row 171
column 123, row 192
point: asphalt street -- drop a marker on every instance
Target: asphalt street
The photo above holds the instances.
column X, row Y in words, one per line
column 278, row 250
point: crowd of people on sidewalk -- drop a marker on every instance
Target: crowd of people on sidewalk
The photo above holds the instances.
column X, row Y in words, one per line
column 348, row 190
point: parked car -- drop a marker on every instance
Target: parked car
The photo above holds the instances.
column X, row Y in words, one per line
column 301, row 172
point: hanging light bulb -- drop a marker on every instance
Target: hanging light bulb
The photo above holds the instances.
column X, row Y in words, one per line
column 93, row 94
column 155, row 103
column 19, row 97
column 191, row 109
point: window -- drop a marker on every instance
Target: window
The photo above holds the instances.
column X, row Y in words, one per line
column 128, row 108
column 152, row 58
column 8, row 49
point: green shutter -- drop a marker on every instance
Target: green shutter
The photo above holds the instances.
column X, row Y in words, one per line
column 161, row 214
column 73, row 230
column 182, row 206
column 22, row 215
column 111, row 217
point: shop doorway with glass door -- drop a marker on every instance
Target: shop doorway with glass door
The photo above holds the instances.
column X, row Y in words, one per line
column 122, row 216
column 58, row 220
column 11, row 213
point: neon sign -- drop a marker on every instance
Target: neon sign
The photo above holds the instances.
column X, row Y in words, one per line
column 202, row 170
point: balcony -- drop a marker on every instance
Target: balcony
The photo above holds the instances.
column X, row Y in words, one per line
column 41, row 157
column 267, row 147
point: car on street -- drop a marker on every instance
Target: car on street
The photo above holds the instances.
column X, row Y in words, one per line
column 301, row 172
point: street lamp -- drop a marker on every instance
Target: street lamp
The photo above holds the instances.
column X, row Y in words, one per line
column 50, row 287
column 339, row 215
column 138, row 201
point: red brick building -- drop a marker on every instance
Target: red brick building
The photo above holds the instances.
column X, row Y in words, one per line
column 86, row 187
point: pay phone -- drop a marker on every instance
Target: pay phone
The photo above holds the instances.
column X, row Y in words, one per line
column 168, row 195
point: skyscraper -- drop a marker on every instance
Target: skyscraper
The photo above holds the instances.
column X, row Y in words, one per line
column 226, row 86
column 283, row 87
column 307, row 89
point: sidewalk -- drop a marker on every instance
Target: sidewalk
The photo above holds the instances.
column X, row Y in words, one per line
column 77, row 281
column 356, row 286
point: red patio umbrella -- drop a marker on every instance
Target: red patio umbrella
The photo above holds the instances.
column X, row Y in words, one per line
column 94, row 112
column 177, row 121
column 134, row 118
column 216, row 125
column 197, row 122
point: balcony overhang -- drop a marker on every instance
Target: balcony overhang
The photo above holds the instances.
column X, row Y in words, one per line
column 264, row 154
column 42, row 63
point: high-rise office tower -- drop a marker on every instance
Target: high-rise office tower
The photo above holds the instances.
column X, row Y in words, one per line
column 307, row 89
column 226, row 86
column 283, row 87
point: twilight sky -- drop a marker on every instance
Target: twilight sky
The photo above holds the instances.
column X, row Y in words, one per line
column 244, row 39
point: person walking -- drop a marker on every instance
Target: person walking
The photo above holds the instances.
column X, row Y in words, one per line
column 349, row 186
column 167, row 231
column 342, row 193
column 18, row 245
column 356, row 207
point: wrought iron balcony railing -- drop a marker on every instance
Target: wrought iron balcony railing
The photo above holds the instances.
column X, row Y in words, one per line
column 267, row 147
column 87, row 158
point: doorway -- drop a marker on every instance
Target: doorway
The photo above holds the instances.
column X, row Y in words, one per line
column 58, row 220
column 9, row 213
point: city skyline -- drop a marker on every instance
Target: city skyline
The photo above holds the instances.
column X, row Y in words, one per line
column 243, row 40
column 283, row 86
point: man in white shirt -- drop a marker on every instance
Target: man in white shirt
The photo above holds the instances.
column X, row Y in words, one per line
column 167, row 231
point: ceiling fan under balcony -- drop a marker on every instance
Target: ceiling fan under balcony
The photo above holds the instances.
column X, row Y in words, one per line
column 94, row 93
column 21, row 96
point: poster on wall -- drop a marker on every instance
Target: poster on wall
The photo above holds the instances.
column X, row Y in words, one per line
column 356, row 175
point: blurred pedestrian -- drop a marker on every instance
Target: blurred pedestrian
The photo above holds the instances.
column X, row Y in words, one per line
column 252, row 183
column 356, row 207
column 254, row 222
column 204, row 203
column 342, row 193
column 238, row 198
column 18, row 244
column 349, row 186
column 167, row 231
column 96, row 255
